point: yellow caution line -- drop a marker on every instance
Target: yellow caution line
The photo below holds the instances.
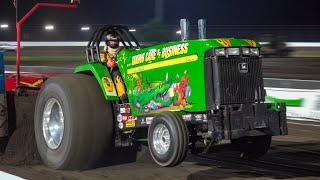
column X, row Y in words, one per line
column 165, row 63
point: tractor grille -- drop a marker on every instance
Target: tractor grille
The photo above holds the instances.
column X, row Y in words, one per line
column 235, row 80
column 239, row 84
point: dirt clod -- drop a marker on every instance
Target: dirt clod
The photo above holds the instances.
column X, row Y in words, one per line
column 21, row 148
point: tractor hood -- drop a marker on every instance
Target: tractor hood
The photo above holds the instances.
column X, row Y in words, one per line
column 170, row 76
column 151, row 54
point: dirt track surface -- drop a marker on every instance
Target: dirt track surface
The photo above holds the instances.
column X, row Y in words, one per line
column 294, row 156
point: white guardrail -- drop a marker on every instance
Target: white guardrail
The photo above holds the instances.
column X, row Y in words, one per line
column 301, row 96
column 301, row 103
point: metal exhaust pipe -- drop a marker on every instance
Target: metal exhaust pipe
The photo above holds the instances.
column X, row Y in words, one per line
column 202, row 29
column 184, row 25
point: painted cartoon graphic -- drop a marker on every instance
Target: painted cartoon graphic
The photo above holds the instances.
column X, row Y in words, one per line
column 108, row 84
column 158, row 96
column 182, row 90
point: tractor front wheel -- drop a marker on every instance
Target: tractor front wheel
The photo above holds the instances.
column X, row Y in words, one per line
column 73, row 122
column 168, row 139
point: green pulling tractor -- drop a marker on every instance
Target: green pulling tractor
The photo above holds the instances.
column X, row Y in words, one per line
column 180, row 95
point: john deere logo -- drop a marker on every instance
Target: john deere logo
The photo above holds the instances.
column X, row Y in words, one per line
column 243, row 67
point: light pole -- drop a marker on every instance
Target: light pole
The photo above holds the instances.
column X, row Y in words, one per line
column 16, row 6
column 159, row 4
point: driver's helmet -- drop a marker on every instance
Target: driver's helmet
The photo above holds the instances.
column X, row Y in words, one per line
column 112, row 41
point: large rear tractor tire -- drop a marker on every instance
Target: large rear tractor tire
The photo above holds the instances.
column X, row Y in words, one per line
column 168, row 139
column 73, row 122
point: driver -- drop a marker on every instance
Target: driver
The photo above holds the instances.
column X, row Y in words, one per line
column 109, row 58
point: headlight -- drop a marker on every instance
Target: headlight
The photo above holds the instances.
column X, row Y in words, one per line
column 246, row 51
column 233, row 51
column 220, row 52
column 255, row 51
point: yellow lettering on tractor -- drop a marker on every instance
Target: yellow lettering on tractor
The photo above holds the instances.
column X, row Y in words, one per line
column 151, row 55
column 175, row 50
column 138, row 59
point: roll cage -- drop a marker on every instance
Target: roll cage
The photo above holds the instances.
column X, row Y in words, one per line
column 127, row 40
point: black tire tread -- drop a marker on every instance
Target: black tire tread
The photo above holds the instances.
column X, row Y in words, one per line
column 182, row 134
column 94, row 125
column 257, row 148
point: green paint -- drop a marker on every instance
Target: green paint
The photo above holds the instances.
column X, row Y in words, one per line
column 158, row 66
column 275, row 107
column 167, row 76
column 99, row 71
column 288, row 102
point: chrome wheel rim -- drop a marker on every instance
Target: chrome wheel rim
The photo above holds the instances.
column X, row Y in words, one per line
column 53, row 123
column 161, row 139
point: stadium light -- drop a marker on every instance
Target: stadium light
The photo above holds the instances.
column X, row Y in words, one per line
column 178, row 32
column 132, row 30
column 49, row 27
column 4, row 26
column 85, row 28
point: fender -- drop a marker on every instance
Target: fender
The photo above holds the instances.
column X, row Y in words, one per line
column 103, row 77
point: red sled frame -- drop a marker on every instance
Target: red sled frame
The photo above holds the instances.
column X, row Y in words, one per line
column 21, row 22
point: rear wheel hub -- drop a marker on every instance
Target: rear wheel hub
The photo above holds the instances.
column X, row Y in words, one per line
column 53, row 123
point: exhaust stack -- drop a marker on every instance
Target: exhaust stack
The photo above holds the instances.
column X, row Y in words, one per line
column 202, row 30
column 184, row 25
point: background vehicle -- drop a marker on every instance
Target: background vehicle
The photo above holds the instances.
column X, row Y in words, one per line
column 276, row 48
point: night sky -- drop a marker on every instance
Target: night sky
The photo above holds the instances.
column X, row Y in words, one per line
column 217, row 12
